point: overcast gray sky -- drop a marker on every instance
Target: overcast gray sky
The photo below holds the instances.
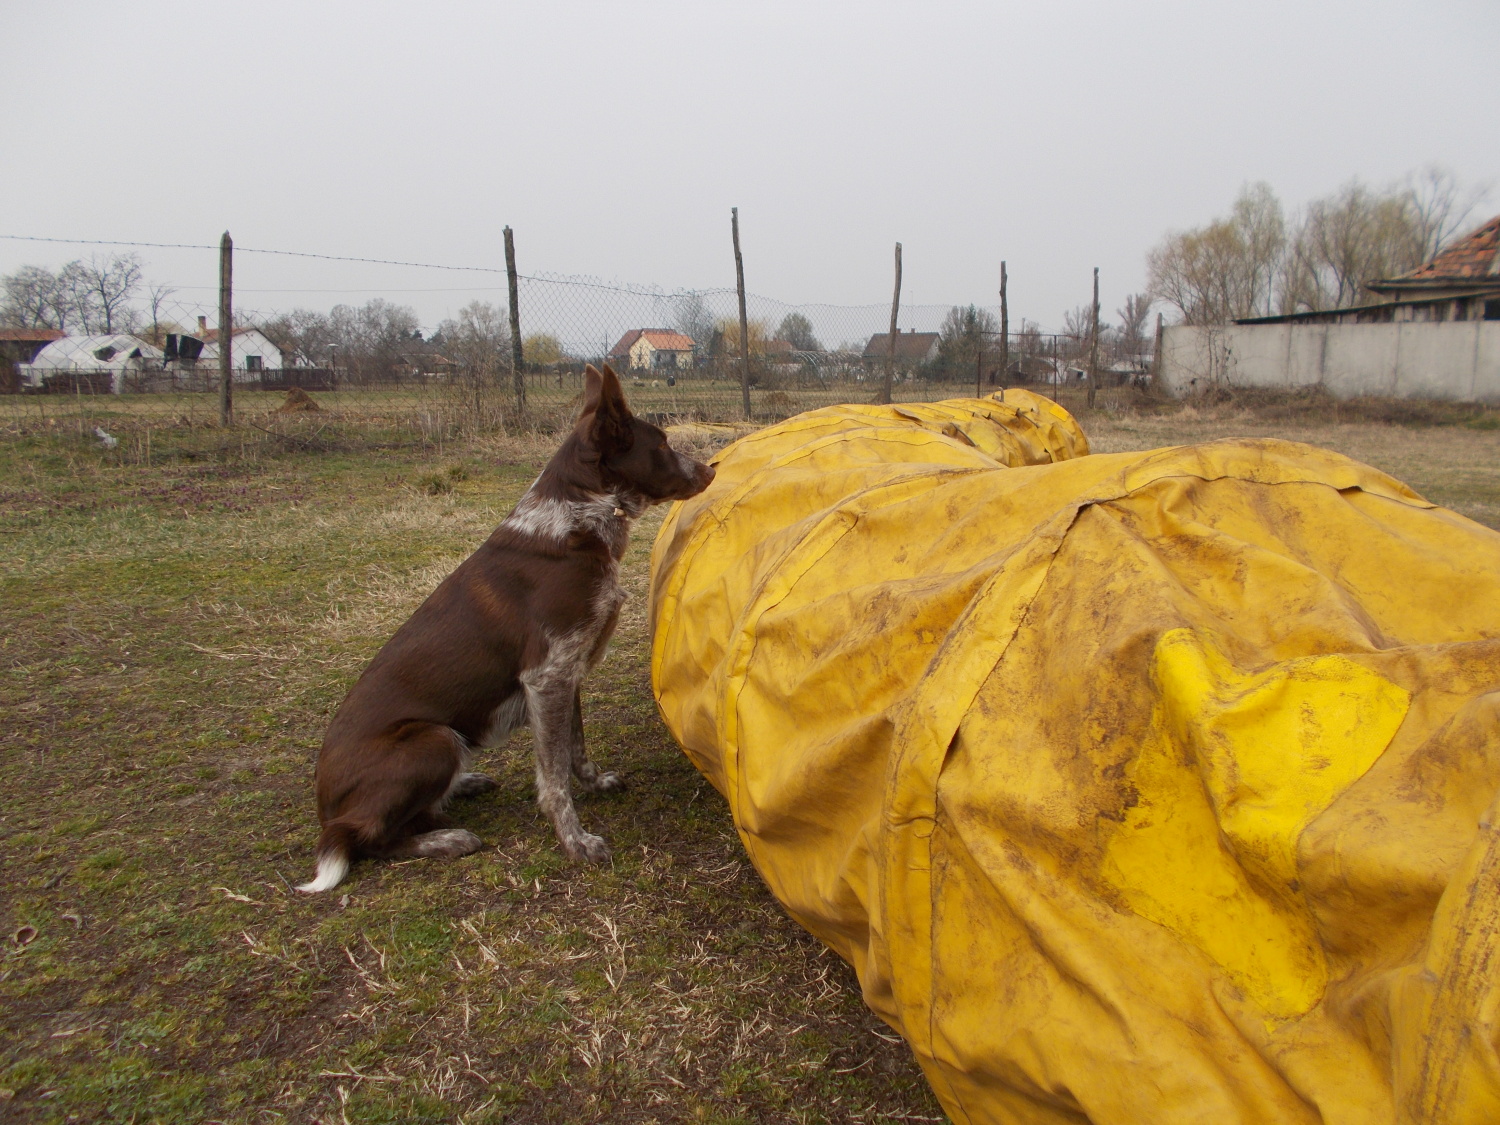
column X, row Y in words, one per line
column 614, row 137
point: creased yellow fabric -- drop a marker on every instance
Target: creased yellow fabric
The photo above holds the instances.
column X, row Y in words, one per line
column 1147, row 787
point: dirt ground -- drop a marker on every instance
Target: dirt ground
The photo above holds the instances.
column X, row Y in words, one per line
column 176, row 634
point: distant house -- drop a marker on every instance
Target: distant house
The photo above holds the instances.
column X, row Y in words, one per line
column 251, row 351
column 424, row 361
column 912, row 348
column 101, row 364
column 18, row 346
column 653, row 349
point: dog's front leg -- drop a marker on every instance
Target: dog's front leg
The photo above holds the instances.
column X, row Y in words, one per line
column 585, row 771
column 552, row 710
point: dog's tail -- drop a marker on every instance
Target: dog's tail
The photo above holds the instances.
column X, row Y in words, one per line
column 334, row 853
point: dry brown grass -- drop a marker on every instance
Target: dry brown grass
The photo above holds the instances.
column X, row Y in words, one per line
column 178, row 629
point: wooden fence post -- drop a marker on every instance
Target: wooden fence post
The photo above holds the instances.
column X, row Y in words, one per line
column 1004, row 331
column 739, row 284
column 1156, row 354
column 890, row 359
column 226, row 330
column 517, row 359
column 1094, row 343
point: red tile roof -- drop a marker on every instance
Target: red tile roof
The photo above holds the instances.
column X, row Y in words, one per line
column 30, row 335
column 662, row 339
column 213, row 334
column 627, row 342
column 1469, row 258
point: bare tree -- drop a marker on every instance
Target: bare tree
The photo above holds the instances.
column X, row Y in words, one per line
column 1443, row 206
column 1078, row 324
column 694, row 319
column 1351, row 237
column 73, row 299
column 371, row 338
column 110, row 284
column 1229, row 268
column 478, row 341
column 1133, row 316
column 306, row 337
column 30, row 299
column 156, row 296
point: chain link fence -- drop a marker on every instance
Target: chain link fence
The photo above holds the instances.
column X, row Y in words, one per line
column 152, row 368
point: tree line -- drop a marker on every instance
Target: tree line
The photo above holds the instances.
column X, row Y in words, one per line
column 91, row 296
column 1261, row 261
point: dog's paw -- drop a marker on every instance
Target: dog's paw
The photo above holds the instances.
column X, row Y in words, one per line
column 472, row 784
column 587, row 848
column 608, row 782
column 447, row 843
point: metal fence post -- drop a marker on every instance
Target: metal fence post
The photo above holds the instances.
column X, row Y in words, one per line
column 517, row 358
column 226, row 330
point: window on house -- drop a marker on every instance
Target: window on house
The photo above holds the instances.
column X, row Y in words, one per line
column 1492, row 310
column 252, row 363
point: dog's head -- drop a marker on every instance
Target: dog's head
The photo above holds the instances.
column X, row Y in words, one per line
column 634, row 457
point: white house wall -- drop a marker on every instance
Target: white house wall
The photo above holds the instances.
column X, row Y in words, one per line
column 1414, row 359
column 244, row 344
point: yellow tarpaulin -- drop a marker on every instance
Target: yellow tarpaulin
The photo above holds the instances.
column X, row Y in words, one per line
column 1144, row 787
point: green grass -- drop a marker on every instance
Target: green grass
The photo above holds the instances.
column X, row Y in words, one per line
column 176, row 635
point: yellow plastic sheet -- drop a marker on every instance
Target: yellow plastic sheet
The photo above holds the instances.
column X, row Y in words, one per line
column 1146, row 787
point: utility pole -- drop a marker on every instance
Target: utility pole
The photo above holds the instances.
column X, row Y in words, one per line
column 739, row 282
column 890, row 359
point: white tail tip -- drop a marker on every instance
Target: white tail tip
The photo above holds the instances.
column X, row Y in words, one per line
column 331, row 872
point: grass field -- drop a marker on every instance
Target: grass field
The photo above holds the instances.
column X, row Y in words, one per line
column 416, row 413
column 176, row 635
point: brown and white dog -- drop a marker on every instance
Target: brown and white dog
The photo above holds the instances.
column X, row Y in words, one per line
column 505, row 640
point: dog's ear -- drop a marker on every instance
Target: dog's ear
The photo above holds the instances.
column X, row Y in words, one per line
column 605, row 420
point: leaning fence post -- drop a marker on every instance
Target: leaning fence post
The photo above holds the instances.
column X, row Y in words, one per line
column 1094, row 342
column 226, row 330
column 1004, row 332
column 890, row 359
column 517, row 358
column 1156, row 355
column 739, row 281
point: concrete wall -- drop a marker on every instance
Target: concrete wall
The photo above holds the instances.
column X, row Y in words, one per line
column 1450, row 360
